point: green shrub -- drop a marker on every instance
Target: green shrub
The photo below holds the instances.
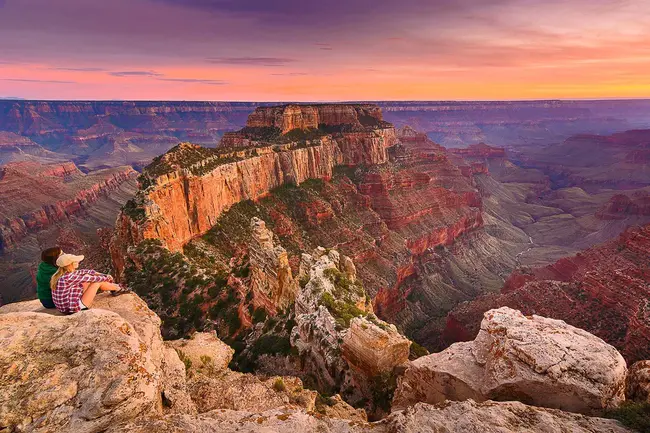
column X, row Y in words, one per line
column 259, row 315
column 343, row 312
column 416, row 351
column 279, row 385
column 271, row 345
column 633, row 415
column 187, row 361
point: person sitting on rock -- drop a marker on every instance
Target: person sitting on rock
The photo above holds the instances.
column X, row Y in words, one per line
column 75, row 289
column 46, row 269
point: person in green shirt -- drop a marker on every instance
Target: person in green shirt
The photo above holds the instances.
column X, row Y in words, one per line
column 46, row 269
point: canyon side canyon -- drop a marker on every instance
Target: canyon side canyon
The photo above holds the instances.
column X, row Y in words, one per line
column 336, row 261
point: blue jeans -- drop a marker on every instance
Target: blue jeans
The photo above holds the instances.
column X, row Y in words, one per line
column 48, row 303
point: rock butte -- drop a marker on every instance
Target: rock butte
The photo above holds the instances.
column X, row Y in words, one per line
column 189, row 195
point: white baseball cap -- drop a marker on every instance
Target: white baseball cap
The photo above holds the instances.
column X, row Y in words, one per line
column 67, row 259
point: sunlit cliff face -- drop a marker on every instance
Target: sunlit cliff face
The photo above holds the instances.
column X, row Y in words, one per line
column 338, row 50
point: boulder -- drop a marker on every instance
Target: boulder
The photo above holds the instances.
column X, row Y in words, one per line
column 245, row 392
column 494, row 417
column 374, row 348
column 335, row 407
column 204, row 348
column 78, row 373
column 538, row 361
column 637, row 384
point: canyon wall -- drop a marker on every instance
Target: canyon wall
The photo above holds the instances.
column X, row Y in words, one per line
column 603, row 289
column 192, row 186
column 37, row 196
column 290, row 117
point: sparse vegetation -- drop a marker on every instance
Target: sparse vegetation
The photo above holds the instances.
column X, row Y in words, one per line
column 187, row 361
column 633, row 415
column 416, row 351
column 343, row 312
column 259, row 315
column 279, row 385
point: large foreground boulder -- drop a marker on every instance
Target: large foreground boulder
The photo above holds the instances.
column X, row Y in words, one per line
column 535, row 360
column 78, row 373
column 450, row 417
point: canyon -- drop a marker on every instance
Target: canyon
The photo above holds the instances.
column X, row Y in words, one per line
column 316, row 231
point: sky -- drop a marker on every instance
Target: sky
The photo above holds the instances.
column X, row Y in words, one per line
column 326, row 50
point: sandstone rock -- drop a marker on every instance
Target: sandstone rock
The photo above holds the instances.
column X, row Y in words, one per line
column 536, row 360
column 341, row 344
column 272, row 282
column 374, row 348
column 175, row 396
column 637, row 384
column 204, row 348
column 245, row 392
column 289, row 117
column 78, row 373
column 334, row 407
column 451, row 417
column 494, row 417
column 229, row 421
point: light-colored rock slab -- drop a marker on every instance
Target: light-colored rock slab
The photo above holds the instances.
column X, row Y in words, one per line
column 535, row 360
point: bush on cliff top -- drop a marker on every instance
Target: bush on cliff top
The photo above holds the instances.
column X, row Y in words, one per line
column 342, row 311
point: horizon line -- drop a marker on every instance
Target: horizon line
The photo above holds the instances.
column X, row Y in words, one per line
column 333, row 101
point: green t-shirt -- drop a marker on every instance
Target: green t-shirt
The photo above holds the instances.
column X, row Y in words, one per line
column 43, row 277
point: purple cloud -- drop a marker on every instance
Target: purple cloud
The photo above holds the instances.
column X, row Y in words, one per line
column 79, row 69
column 254, row 61
column 195, row 81
column 135, row 74
column 24, row 80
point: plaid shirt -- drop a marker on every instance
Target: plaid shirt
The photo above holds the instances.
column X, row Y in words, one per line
column 69, row 288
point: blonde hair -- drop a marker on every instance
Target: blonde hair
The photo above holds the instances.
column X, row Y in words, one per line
column 58, row 274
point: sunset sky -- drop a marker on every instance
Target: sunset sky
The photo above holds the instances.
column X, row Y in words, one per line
column 297, row 50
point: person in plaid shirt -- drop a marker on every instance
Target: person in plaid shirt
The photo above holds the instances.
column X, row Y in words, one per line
column 75, row 289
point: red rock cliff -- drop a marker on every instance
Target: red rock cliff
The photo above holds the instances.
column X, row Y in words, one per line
column 190, row 187
column 603, row 290
column 290, row 117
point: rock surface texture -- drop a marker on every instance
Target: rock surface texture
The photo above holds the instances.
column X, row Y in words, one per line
column 108, row 370
column 536, row 360
column 79, row 373
column 271, row 275
column 637, row 387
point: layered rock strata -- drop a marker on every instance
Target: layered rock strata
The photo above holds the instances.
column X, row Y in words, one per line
column 37, row 196
column 603, row 289
column 536, row 360
column 290, row 117
column 186, row 190
column 271, row 276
